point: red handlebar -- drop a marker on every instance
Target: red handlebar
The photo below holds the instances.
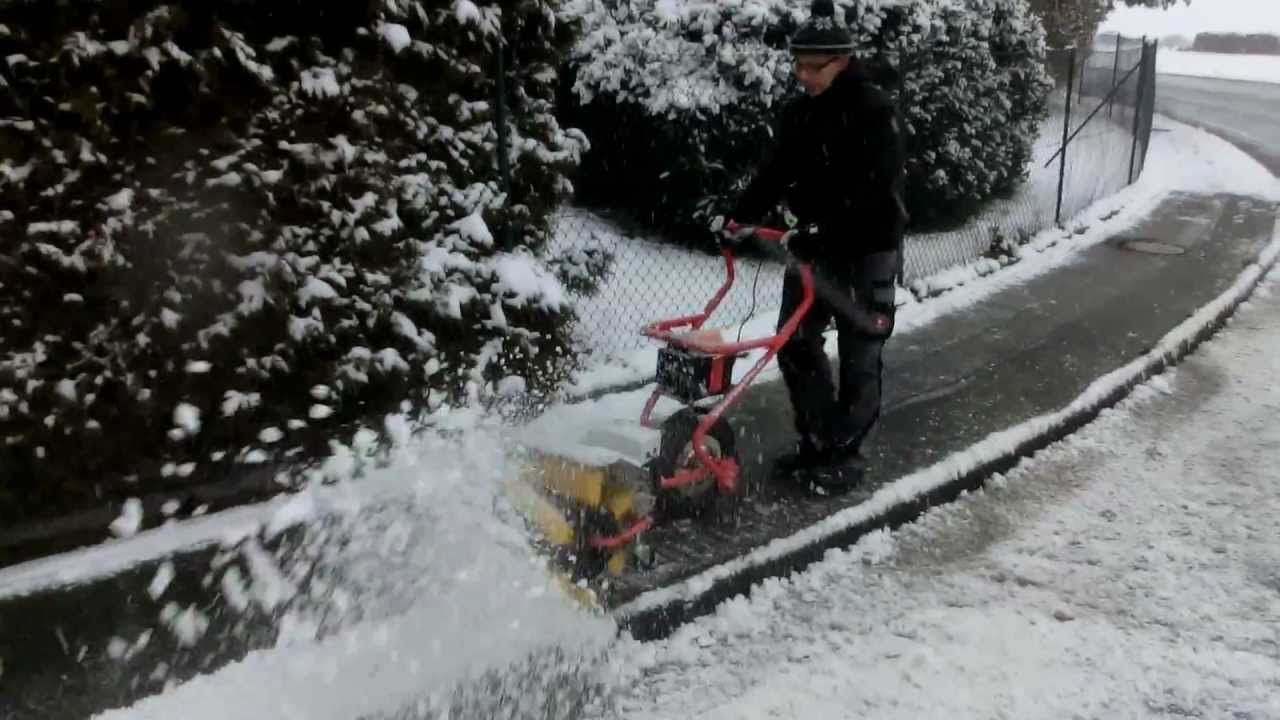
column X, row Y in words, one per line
column 664, row 329
column 763, row 233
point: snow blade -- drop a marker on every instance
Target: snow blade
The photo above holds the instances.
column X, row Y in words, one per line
column 588, row 520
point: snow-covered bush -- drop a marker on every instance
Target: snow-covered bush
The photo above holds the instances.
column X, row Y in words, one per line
column 679, row 96
column 235, row 231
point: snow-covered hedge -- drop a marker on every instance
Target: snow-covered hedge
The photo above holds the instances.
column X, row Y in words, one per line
column 234, row 231
column 679, row 96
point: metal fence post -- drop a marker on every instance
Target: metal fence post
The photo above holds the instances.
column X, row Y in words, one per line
column 1115, row 73
column 1137, row 108
column 504, row 159
column 1084, row 67
column 1066, row 130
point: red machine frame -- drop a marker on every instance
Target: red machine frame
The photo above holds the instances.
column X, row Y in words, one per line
column 725, row 470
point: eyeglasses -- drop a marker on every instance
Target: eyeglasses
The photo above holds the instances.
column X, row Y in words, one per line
column 814, row 67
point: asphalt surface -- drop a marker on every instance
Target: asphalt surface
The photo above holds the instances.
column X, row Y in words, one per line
column 1245, row 113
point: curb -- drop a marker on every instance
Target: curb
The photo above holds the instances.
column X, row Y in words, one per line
column 656, row 614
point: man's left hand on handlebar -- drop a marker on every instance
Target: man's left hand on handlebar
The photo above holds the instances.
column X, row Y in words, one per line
column 730, row 234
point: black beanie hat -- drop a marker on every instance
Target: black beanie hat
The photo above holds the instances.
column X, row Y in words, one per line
column 823, row 34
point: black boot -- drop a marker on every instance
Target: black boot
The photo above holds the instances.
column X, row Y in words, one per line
column 840, row 469
column 805, row 456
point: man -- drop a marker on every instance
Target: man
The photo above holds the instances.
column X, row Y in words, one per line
column 839, row 165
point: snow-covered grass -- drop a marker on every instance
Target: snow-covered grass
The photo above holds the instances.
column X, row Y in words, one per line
column 650, row 281
column 1127, row 571
column 1252, row 68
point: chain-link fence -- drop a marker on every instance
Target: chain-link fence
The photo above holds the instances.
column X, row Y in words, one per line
column 1092, row 144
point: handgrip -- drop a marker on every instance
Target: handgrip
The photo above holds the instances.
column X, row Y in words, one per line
column 763, row 233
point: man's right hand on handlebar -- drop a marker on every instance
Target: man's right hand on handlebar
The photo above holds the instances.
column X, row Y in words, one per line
column 804, row 243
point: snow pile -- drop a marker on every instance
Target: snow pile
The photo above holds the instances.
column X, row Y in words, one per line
column 686, row 93
column 216, row 209
column 1252, row 68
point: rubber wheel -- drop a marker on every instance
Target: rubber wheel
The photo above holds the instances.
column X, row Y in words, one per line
column 675, row 452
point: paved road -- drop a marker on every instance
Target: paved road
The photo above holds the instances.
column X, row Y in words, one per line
column 1245, row 113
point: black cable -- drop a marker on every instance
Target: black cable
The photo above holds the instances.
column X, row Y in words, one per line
column 754, row 283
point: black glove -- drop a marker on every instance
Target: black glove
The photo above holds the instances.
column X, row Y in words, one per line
column 805, row 243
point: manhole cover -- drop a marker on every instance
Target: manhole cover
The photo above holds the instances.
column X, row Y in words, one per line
column 1153, row 247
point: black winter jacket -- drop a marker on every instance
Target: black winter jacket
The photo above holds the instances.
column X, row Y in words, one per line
column 838, row 163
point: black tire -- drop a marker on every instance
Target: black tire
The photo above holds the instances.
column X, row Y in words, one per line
column 675, row 452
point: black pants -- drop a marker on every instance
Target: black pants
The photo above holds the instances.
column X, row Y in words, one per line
column 823, row 416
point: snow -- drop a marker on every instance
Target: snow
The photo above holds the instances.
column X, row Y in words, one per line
column 199, row 367
column 422, row 555
column 269, row 586
column 473, row 229
column 120, row 201
column 161, row 581
column 315, row 289
column 233, row 402
column 169, row 318
column 56, row 227
column 231, row 179
column 1187, row 19
column 295, row 511
column 396, row 35
column 130, row 519
column 1251, row 68
column 233, row 589
column 512, row 386
column 320, row 82
column 1129, row 570
column 187, row 624
column 187, row 417
column 466, row 12
column 406, row 328
column 521, row 278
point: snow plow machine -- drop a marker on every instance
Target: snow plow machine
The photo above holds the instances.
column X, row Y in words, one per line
column 592, row 520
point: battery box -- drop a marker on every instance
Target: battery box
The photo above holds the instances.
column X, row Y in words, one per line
column 689, row 375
